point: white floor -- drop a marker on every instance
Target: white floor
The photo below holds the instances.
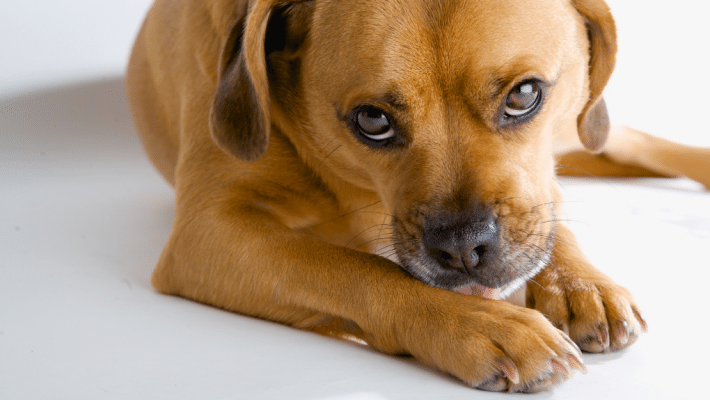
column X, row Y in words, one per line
column 83, row 217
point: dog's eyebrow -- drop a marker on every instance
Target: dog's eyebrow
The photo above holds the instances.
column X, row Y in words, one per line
column 499, row 83
column 500, row 80
column 393, row 100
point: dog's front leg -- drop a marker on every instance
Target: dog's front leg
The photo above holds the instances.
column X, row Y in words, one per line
column 597, row 313
column 241, row 258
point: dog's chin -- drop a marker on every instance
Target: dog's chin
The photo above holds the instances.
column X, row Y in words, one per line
column 504, row 291
column 495, row 286
column 501, row 293
column 497, row 283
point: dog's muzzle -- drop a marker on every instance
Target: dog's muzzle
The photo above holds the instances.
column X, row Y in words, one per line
column 469, row 253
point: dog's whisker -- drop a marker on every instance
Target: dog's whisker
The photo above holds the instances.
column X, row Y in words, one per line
column 375, row 241
column 362, row 233
column 563, row 242
column 315, row 170
column 552, row 205
column 380, row 232
column 348, row 213
column 322, row 151
column 554, row 220
column 387, row 215
column 368, row 242
column 532, row 280
column 386, row 251
column 387, row 254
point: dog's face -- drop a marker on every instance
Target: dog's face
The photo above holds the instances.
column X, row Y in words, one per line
column 447, row 110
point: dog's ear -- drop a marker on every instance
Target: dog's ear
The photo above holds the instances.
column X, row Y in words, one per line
column 240, row 121
column 239, row 116
column 593, row 123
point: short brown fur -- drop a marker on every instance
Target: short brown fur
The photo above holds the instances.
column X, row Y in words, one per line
column 283, row 212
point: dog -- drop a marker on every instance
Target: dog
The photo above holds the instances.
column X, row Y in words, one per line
column 384, row 171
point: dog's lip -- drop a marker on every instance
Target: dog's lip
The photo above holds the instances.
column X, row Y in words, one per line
column 480, row 291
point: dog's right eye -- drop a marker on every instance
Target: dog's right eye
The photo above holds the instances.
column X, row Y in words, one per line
column 524, row 100
column 373, row 125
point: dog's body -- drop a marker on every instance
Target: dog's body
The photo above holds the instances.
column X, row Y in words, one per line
column 338, row 163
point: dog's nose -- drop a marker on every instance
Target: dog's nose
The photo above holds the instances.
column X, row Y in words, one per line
column 463, row 246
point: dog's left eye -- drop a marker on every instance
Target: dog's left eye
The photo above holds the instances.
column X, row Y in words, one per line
column 523, row 100
column 374, row 124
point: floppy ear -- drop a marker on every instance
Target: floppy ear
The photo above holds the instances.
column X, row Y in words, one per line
column 593, row 123
column 239, row 117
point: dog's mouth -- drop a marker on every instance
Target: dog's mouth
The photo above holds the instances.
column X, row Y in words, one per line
column 501, row 293
column 480, row 291
column 505, row 264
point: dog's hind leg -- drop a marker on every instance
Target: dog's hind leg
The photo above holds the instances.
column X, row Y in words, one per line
column 632, row 153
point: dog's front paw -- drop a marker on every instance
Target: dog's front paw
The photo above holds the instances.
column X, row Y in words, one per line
column 598, row 314
column 497, row 346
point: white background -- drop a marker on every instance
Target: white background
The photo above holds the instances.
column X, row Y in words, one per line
column 83, row 218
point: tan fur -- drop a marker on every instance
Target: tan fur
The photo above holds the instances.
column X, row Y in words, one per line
column 283, row 214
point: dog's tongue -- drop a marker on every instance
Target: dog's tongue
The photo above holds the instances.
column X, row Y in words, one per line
column 479, row 291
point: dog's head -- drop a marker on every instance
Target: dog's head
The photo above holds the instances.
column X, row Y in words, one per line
column 447, row 109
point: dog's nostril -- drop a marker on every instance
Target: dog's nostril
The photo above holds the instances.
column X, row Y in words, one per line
column 462, row 247
column 474, row 257
column 446, row 256
column 441, row 255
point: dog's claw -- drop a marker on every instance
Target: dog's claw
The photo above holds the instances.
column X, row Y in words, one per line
column 571, row 342
column 503, row 380
column 577, row 363
column 637, row 314
column 597, row 341
column 507, row 378
column 508, row 368
column 622, row 337
column 602, row 333
column 561, row 368
column 574, row 357
column 561, row 365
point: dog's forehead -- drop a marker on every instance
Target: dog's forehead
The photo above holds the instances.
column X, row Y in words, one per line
column 490, row 34
column 451, row 40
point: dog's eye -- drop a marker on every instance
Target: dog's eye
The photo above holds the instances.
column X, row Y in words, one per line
column 523, row 99
column 374, row 124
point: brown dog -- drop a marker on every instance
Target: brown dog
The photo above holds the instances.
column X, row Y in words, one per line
column 338, row 164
